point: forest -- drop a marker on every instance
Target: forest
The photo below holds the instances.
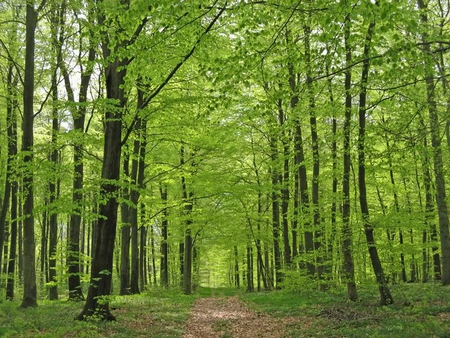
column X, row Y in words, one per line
column 182, row 148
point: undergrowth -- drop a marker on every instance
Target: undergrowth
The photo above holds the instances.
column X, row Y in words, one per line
column 157, row 313
column 420, row 310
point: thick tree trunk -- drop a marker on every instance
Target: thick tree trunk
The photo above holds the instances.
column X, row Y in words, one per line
column 29, row 246
column 102, row 260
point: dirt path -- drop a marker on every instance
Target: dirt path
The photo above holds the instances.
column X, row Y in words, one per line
column 229, row 317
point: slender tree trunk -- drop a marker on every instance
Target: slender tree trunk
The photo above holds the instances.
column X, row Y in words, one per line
column 301, row 177
column 125, row 236
column 275, row 212
column 78, row 116
column 250, row 281
column 284, row 183
column 11, row 122
column 137, row 182
column 334, row 185
column 347, row 234
column 188, row 207
column 164, row 243
column 143, row 251
column 153, row 251
column 53, row 217
column 396, row 204
column 12, row 152
column 385, row 295
column 20, row 235
column 437, row 149
column 237, row 282
column 318, row 231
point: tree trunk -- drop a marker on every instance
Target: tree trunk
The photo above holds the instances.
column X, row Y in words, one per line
column 284, row 183
column 143, row 251
column 437, row 149
column 11, row 122
column 102, row 261
column 164, row 243
column 78, row 116
column 347, row 234
column 29, row 246
column 385, row 295
column 275, row 212
column 301, row 177
column 137, row 181
column 250, row 281
column 188, row 207
column 125, row 234
column 318, row 232
column 237, row 282
column 53, row 191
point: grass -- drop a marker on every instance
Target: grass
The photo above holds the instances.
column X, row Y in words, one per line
column 421, row 310
column 158, row 313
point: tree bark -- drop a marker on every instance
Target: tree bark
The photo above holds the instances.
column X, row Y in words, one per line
column 439, row 175
column 78, row 116
column 385, row 295
column 187, row 255
column 11, row 122
column 347, row 234
column 301, row 178
column 164, row 243
column 29, row 246
column 275, row 211
column 102, row 260
column 125, row 233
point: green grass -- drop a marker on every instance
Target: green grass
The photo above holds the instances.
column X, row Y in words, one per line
column 159, row 314
column 421, row 310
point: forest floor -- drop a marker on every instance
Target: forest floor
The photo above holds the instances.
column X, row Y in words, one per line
column 219, row 317
column 420, row 310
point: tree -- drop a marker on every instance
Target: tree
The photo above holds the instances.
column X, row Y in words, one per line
column 29, row 253
column 437, row 149
column 349, row 268
column 385, row 295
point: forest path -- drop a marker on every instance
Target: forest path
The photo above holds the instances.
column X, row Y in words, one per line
column 226, row 317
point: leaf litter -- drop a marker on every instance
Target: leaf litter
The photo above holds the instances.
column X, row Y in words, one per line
column 218, row 317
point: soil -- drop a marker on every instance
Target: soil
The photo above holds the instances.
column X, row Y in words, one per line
column 226, row 317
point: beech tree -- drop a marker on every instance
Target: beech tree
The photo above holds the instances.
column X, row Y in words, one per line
column 242, row 143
